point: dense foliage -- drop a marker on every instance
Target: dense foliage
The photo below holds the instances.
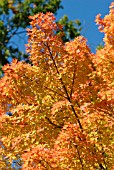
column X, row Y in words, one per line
column 61, row 106
column 14, row 19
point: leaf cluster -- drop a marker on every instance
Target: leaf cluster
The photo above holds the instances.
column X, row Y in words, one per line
column 57, row 112
column 14, row 20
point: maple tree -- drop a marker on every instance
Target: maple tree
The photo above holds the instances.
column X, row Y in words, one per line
column 14, row 21
column 62, row 104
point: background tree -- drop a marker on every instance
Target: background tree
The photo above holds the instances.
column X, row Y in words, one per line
column 14, row 19
column 62, row 104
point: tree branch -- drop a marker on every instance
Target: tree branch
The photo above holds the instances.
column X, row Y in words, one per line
column 79, row 157
column 65, row 89
column 57, row 126
column 74, row 73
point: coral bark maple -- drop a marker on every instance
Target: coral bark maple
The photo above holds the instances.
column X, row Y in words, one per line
column 62, row 103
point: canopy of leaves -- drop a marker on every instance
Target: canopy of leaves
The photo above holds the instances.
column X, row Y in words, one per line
column 61, row 106
column 14, row 19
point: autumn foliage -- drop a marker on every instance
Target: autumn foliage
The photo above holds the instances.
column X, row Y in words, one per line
column 62, row 104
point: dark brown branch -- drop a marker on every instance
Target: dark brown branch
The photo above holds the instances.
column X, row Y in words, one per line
column 46, row 87
column 101, row 167
column 55, row 92
column 57, row 126
column 92, row 64
column 43, row 161
column 64, row 87
column 74, row 73
column 24, row 98
column 80, row 157
column 21, row 32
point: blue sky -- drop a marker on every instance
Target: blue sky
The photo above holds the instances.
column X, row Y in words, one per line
column 85, row 11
